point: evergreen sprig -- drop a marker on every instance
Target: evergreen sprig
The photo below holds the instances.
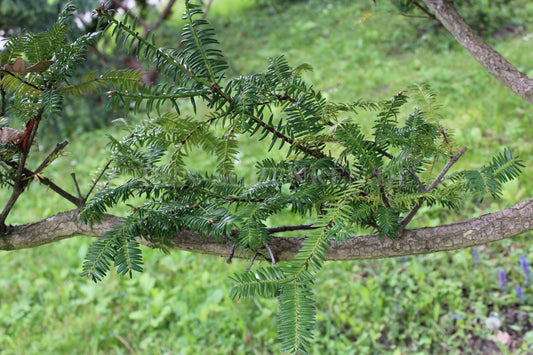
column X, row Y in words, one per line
column 344, row 177
column 334, row 171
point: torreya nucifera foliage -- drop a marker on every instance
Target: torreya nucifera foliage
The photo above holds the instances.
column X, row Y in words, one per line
column 340, row 174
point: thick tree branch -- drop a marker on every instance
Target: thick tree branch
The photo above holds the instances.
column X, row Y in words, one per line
column 488, row 228
column 491, row 60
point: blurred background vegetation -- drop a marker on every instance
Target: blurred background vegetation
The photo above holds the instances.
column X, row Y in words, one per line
column 435, row 303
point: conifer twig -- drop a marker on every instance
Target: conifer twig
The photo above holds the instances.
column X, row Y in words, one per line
column 252, row 262
column 20, row 183
column 409, row 216
column 96, row 181
column 424, row 10
column 272, row 258
column 77, row 185
column 21, row 80
column 416, row 179
column 47, row 160
column 377, row 174
column 231, row 253
column 279, row 229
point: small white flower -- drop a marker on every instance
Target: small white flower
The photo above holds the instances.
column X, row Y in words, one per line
column 493, row 322
column 527, row 37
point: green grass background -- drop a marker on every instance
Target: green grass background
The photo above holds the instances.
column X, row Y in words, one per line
column 435, row 303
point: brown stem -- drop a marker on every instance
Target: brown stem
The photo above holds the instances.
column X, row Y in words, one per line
column 435, row 182
column 3, row 102
column 164, row 14
column 80, row 196
column 272, row 258
column 314, row 153
column 21, row 80
column 231, row 253
column 207, row 7
column 421, row 186
column 279, row 229
column 78, row 202
column 252, row 262
column 59, row 146
column 377, row 174
column 424, row 10
column 28, row 174
column 26, row 145
column 96, row 181
column 20, row 183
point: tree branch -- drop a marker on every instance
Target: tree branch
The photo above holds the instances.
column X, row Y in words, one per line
column 163, row 15
column 20, row 183
column 405, row 221
column 47, row 182
column 491, row 60
column 424, row 10
column 488, row 228
column 96, row 182
column 59, row 147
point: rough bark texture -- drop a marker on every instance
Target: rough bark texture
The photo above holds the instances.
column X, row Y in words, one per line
column 480, row 230
column 491, row 60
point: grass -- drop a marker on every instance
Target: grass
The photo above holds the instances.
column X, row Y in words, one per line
column 435, row 303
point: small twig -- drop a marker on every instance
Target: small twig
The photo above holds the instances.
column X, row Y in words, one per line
column 164, row 14
column 421, row 186
column 231, row 253
column 452, row 161
column 200, row 126
column 21, row 80
column 377, row 173
column 314, row 153
column 252, row 262
column 96, row 181
column 125, row 343
column 46, row 161
column 47, row 182
column 272, row 258
column 19, row 183
column 77, row 186
column 127, row 10
column 424, row 10
column 435, row 182
column 408, row 16
column 207, row 7
column 22, row 162
column 384, row 153
column 4, row 165
column 279, row 229
column 3, row 103
column 444, row 136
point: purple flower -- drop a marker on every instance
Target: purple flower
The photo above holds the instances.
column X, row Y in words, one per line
column 525, row 267
column 502, row 279
column 397, row 310
column 475, row 256
column 519, row 294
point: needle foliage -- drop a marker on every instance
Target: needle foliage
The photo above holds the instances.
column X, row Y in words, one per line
column 342, row 176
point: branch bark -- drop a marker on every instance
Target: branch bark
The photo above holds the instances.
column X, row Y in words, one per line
column 491, row 60
column 488, row 228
